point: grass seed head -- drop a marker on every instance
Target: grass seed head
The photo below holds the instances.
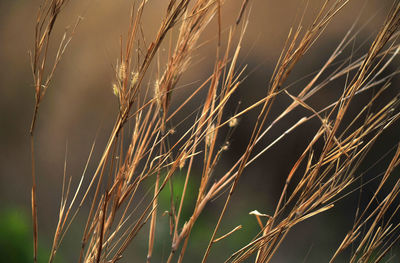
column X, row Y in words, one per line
column 122, row 71
column 233, row 122
column 115, row 89
column 210, row 135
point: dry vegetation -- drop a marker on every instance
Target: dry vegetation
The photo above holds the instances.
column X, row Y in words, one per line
column 324, row 173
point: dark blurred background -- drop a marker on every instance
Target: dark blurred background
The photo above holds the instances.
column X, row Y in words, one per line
column 79, row 108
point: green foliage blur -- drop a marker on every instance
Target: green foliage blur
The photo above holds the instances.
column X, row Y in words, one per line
column 16, row 241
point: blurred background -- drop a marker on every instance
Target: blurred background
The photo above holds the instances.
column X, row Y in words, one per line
column 79, row 108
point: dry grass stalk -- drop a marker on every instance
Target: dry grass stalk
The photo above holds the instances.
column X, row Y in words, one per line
column 118, row 212
column 47, row 16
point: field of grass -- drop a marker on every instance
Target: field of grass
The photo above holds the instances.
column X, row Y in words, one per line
column 208, row 149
